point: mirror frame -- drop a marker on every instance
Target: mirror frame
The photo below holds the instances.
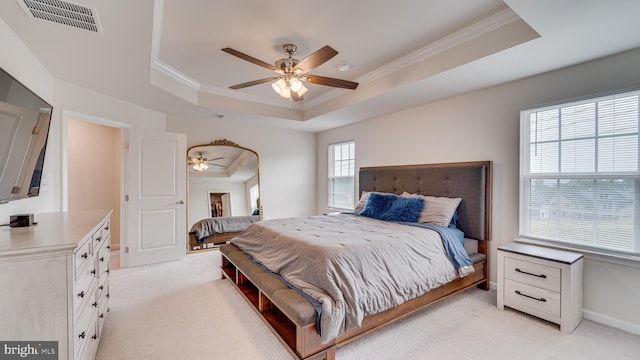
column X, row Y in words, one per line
column 225, row 142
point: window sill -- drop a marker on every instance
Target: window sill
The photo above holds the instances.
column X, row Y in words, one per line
column 590, row 254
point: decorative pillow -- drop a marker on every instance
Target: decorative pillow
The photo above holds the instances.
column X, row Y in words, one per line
column 391, row 207
column 363, row 199
column 437, row 210
column 377, row 204
column 404, row 209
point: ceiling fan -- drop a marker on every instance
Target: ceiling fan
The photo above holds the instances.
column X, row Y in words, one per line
column 293, row 72
column 201, row 163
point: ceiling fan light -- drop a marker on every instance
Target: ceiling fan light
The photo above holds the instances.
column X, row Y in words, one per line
column 279, row 86
column 296, row 84
column 302, row 90
column 286, row 92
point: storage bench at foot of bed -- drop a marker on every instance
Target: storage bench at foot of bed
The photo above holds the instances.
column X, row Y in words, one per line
column 293, row 318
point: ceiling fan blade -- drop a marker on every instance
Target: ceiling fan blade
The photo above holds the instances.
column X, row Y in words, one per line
column 250, row 59
column 316, row 59
column 295, row 97
column 254, row 82
column 327, row 81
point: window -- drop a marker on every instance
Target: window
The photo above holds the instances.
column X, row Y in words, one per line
column 342, row 175
column 579, row 175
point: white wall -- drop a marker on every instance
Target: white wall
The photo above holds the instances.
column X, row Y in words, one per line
column 287, row 160
column 484, row 125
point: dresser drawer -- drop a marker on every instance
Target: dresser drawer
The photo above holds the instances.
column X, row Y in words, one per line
column 543, row 276
column 85, row 329
column 82, row 257
column 84, row 287
column 531, row 299
column 102, row 260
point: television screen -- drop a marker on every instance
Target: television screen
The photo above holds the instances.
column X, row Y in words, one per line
column 24, row 129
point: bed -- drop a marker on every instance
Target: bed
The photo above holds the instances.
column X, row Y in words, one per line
column 295, row 316
column 214, row 231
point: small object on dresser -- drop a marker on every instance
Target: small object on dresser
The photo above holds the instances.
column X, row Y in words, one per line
column 22, row 220
column 543, row 282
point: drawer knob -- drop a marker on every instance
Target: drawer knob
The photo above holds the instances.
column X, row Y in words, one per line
column 95, row 304
column 93, row 272
column 108, row 246
column 102, row 258
column 95, row 336
column 107, row 271
column 99, row 238
column 542, row 276
column 81, row 336
column 85, row 255
column 531, row 297
column 101, row 287
column 101, row 316
column 81, row 294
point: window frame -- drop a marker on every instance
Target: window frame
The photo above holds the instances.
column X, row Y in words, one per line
column 330, row 177
column 631, row 257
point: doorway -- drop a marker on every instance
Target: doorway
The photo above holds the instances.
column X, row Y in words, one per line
column 220, row 204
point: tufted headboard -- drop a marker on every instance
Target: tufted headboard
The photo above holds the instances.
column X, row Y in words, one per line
column 471, row 181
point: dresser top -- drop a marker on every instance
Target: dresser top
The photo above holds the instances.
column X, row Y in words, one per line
column 54, row 232
column 540, row 252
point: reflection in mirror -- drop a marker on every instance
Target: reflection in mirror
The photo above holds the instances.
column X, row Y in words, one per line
column 223, row 192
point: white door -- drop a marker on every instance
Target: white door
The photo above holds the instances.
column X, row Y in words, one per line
column 156, row 228
column 226, row 204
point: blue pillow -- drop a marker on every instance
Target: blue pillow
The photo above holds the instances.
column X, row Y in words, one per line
column 377, row 204
column 454, row 220
column 391, row 207
column 404, row 209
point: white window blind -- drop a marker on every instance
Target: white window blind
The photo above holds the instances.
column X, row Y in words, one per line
column 579, row 173
column 342, row 175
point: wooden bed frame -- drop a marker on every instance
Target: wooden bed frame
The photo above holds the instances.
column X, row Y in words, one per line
column 215, row 239
column 284, row 315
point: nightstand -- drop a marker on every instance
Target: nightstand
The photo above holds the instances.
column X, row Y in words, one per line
column 545, row 283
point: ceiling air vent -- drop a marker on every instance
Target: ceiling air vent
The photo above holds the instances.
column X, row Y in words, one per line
column 63, row 12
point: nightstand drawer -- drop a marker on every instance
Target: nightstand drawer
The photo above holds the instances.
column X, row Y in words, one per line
column 531, row 299
column 543, row 276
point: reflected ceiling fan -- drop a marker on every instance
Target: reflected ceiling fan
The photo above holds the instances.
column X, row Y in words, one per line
column 201, row 163
column 293, row 72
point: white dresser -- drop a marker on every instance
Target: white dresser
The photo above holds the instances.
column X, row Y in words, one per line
column 54, row 278
column 543, row 282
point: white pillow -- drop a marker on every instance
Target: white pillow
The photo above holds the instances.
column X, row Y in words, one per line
column 437, row 210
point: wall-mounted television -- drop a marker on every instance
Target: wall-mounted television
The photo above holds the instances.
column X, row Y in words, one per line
column 24, row 130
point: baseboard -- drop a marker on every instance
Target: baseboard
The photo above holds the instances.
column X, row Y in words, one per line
column 613, row 322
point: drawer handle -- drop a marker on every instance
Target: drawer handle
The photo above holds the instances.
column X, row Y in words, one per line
column 99, row 238
column 101, row 287
column 108, row 246
column 107, row 271
column 102, row 258
column 85, row 255
column 81, row 294
column 93, row 272
column 81, row 336
column 107, row 295
column 531, row 297
column 95, row 304
column 95, row 336
column 101, row 316
column 542, row 276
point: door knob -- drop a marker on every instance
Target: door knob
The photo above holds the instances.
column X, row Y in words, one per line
column 181, row 202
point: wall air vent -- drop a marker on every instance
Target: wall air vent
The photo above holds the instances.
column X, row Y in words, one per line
column 63, row 12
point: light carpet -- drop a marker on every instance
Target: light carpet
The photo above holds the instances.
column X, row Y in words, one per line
column 183, row 310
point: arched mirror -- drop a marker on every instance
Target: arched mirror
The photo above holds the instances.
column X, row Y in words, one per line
column 223, row 192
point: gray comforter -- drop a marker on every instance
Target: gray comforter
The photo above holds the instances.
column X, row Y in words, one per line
column 218, row 225
column 353, row 265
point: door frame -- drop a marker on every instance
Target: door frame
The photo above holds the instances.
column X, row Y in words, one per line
column 69, row 114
